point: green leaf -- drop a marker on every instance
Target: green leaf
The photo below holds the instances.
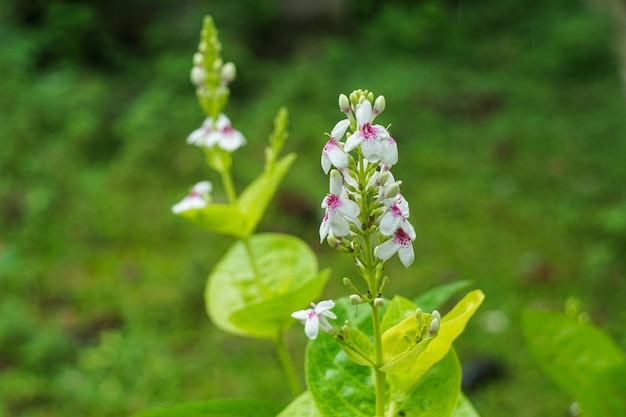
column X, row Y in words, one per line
column 255, row 198
column 303, row 406
column 399, row 308
column 400, row 347
column 436, row 394
column 218, row 218
column 436, row 297
column 241, row 303
column 452, row 325
column 605, row 395
column 577, row 357
column 357, row 346
column 217, row 408
column 464, row 408
column 341, row 388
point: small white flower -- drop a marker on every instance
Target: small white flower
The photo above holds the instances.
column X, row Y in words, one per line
column 199, row 197
column 316, row 318
column 333, row 153
column 395, row 216
column 340, row 210
column 223, row 135
column 400, row 242
column 368, row 136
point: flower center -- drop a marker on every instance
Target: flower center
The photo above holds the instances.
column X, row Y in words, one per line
column 401, row 238
column 368, row 131
column 396, row 212
column 333, row 201
column 227, row 130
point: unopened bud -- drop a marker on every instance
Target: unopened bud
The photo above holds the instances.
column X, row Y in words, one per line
column 197, row 76
column 344, row 103
column 355, row 299
column 229, row 72
column 331, row 240
column 379, row 105
column 202, row 46
column 379, row 302
column 434, row 328
column 435, row 315
column 391, row 190
column 384, row 284
column 383, row 176
column 198, row 58
column 217, row 64
column 370, row 96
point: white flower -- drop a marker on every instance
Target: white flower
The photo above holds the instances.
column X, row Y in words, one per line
column 199, row 197
column 401, row 243
column 340, row 210
column 316, row 318
column 223, row 135
column 333, row 152
column 368, row 136
column 395, row 216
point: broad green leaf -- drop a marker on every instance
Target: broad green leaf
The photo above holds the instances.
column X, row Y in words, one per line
column 572, row 354
column 437, row 393
column 400, row 347
column 357, row 346
column 605, row 395
column 452, row 325
column 255, row 198
column 399, row 308
column 218, row 218
column 217, row 408
column 303, row 406
column 342, row 388
column 261, row 318
column 240, row 302
column 436, row 297
column 464, row 408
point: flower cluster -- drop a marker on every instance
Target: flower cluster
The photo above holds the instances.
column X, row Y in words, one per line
column 364, row 197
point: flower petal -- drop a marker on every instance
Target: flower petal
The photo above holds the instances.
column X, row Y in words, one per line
column 312, row 327
column 386, row 249
column 340, row 129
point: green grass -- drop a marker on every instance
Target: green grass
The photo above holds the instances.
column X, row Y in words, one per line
column 511, row 152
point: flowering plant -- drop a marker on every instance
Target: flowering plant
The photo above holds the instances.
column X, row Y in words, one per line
column 391, row 357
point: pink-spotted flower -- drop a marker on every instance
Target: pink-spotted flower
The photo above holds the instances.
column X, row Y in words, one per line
column 199, row 197
column 333, row 152
column 368, row 136
column 395, row 216
column 400, row 242
column 222, row 134
column 316, row 318
column 340, row 210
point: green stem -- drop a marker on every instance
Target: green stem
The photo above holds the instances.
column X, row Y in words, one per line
column 379, row 375
column 288, row 367
column 229, row 187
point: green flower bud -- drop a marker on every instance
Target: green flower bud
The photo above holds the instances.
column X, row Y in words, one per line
column 379, row 105
column 355, row 299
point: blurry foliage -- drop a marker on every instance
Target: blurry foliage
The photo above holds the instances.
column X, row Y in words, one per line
column 510, row 125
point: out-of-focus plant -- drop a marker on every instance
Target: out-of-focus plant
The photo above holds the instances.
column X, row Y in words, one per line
column 584, row 361
column 387, row 357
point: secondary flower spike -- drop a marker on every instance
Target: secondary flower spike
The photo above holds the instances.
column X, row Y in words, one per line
column 221, row 134
column 316, row 318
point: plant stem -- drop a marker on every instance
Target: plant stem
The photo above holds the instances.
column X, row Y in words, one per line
column 379, row 375
column 288, row 367
column 229, row 187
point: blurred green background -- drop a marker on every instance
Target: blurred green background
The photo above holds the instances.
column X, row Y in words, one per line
column 511, row 122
